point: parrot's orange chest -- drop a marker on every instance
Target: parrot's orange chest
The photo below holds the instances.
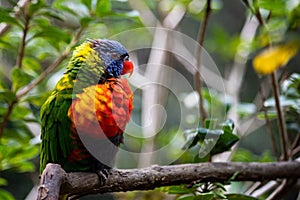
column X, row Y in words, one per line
column 102, row 110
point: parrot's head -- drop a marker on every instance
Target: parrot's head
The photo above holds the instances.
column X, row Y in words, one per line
column 114, row 56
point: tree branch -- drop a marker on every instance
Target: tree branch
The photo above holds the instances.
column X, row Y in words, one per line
column 198, row 79
column 281, row 119
column 27, row 19
column 51, row 180
column 79, row 183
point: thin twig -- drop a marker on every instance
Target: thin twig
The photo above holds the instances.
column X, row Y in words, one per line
column 296, row 140
column 198, row 79
column 278, row 190
column 25, row 31
column 294, row 149
column 281, row 120
column 265, row 188
column 283, row 132
column 257, row 12
column 254, row 186
column 268, row 123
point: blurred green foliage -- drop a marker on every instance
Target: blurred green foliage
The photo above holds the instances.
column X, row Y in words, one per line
column 43, row 30
column 211, row 141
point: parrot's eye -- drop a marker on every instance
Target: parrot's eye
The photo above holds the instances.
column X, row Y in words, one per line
column 125, row 57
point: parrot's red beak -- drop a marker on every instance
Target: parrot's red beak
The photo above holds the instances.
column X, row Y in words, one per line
column 127, row 67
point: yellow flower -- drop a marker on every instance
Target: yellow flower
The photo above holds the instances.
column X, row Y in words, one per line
column 269, row 60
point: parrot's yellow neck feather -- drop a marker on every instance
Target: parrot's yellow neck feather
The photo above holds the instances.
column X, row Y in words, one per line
column 82, row 52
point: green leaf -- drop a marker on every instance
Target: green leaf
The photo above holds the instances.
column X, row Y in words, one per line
column 228, row 125
column 222, row 42
column 266, row 157
column 243, row 155
column 7, row 95
column 187, row 197
column 25, row 166
column 36, row 6
column 220, row 186
column 179, row 189
column 51, row 13
column 38, row 99
column 85, row 21
column 191, row 138
column 18, row 130
column 198, row 159
column 294, row 17
column 239, row 197
column 4, row 195
column 225, row 138
column 207, row 196
column 210, row 123
column 19, row 112
column 20, row 78
column 87, row 3
column 271, row 114
column 291, row 86
column 16, row 154
column 3, row 83
column 67, row 10
column 219, row 194
column 6, row 17
column 232, row 178
column 53, row 35
column 276, row 6
column 3, row 181
column 103, row 7
column 32, row 65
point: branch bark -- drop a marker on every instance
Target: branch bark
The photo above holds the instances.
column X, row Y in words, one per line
column 79, row 183
column 51, row 180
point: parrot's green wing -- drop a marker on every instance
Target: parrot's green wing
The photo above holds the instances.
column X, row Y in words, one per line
column 56, row 126
column 56, row 131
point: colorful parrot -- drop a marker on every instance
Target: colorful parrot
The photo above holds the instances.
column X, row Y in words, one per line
column 90, row 102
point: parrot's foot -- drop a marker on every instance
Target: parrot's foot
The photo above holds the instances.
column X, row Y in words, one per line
column 102, row 171
column 102, row 175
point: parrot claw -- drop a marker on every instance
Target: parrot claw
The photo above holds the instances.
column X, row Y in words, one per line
column 102, row 175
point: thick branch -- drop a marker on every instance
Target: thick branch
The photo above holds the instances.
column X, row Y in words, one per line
column 149, row 178
column 52, row 177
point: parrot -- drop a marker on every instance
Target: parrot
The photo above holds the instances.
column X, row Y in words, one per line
column 92, row 101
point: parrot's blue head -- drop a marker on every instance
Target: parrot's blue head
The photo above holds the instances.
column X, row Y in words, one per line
column 114, row 56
